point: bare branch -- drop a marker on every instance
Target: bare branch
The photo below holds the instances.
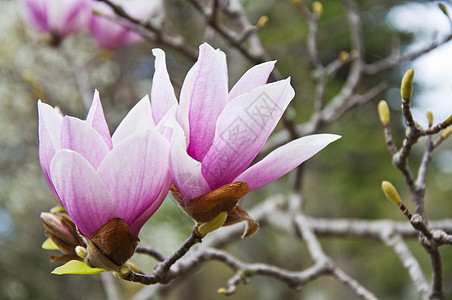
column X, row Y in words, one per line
column 410, row 263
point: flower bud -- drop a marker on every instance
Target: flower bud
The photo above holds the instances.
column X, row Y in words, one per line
column 449, row 120
column 317, row 8
column 446, row 133
column 390, row 192
column 443, row 8
column 430, row 117
column 406, row 87
column 344, row 56
column 203, row 229
column 222, row 291
column 262, row 22
column 383, row 112
column 61, row 230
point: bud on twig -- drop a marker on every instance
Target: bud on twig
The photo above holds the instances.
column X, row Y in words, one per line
column 406, row 87
column 449, row 121
column 262, row 22
column 222, row 291
column 443, row 8
column 446, row 133
column 344, row 56
column 391, row 192
column 383, row 112
column 430, row 118
column 317, row 8
column 63, row 233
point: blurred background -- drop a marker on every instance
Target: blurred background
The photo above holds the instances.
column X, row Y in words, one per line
column 343, row 181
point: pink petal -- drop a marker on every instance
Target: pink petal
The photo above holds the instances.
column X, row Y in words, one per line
column 162, row 92
column 143, row 9
column 34, row 13
column 96, row 119
column 135, row 172
column 185, row 171
column 107, row 33
column 242, row 129
column 207, row 95
column 138, row 223
column 254, row 77
column 50, row 121
column 139, row 118
column 81, row 191
column 184, row 102
column 78, row 136
column 65, row 16
column 284, row 159
column 163, row 126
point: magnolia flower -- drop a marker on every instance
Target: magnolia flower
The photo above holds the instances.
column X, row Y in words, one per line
column 111, row 35
column 109, row 185
column 224, row 131
column 57, row 17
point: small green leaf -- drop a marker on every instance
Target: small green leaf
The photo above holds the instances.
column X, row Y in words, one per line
column 49, row 245
column 76, row 267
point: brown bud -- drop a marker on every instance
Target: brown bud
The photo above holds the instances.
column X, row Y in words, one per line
column 206, row 207
column 110, row 246
column 62, row 231
column 224, row 199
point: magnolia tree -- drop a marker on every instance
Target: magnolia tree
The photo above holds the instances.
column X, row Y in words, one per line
column 200, row 146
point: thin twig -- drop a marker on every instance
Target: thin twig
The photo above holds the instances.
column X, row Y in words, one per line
column 151, row 252
column 353, row 284
column 175, row 42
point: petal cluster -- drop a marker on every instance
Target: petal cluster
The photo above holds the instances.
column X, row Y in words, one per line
column 223, row 130
column 59, row 17
column 111, row 35
column 98, row 177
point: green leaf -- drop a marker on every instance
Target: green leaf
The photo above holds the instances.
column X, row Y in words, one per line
column 76, row 267
column 49, row 245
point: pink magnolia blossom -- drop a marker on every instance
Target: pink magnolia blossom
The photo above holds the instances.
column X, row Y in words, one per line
column 225, row 130
column 111, row 35
column 58, row 17
column 98, row 177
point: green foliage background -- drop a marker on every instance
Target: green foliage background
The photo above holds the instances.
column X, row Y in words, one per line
column 343, row 181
